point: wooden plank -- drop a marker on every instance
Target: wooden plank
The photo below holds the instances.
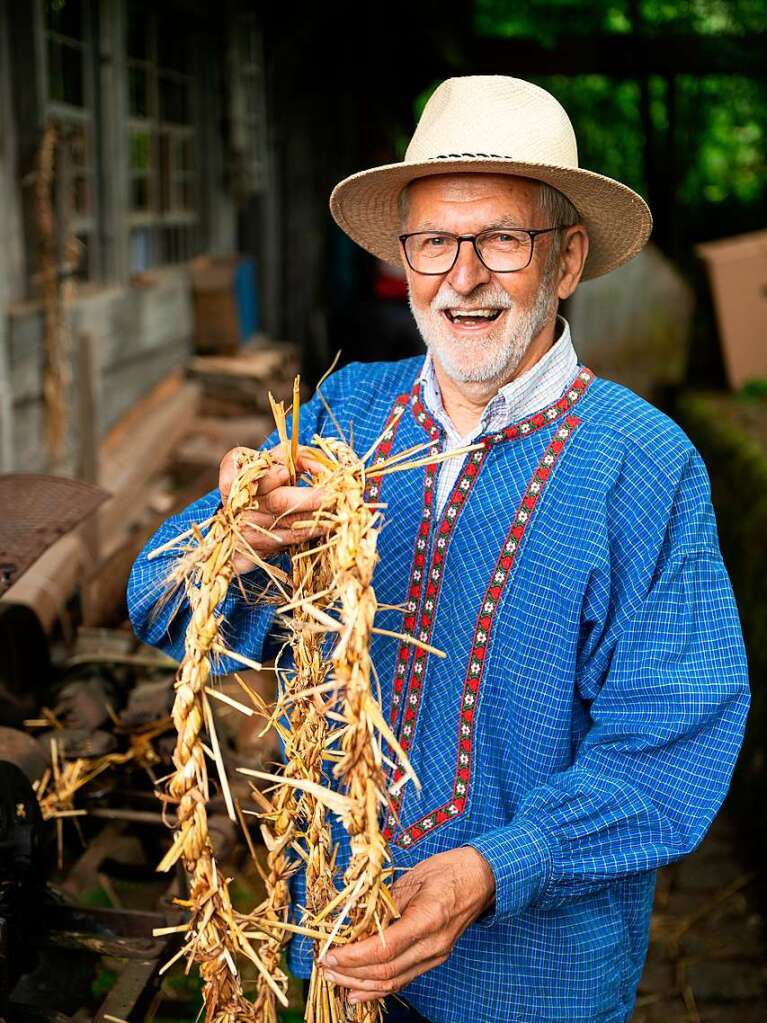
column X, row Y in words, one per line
column 162, row 392
column 128, row 466
column 261, row 365
column 104, row 600
column 49, row 583
column 132, row 454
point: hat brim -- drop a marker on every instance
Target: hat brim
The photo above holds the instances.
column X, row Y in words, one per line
column 618, row 220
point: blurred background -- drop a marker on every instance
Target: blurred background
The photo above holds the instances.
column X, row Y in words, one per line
column 167, row 257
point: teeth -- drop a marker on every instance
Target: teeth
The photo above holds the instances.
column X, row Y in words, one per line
column 472, row 312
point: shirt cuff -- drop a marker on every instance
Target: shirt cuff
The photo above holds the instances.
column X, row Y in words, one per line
column 520, row 857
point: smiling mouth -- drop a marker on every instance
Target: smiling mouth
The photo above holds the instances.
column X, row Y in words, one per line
column 471, row 320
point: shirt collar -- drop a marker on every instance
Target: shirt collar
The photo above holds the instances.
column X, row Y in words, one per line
column 539, row 385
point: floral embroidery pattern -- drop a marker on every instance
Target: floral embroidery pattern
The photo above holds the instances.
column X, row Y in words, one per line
column 422, row 625
column 482, row 631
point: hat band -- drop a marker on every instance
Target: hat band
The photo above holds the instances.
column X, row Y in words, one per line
column 452, row 156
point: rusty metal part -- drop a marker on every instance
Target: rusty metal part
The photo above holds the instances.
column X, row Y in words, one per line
column 37, row 511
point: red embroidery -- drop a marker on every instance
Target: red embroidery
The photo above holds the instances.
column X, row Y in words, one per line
column 450, row 515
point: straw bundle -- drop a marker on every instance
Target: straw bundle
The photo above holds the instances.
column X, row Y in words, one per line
column 331, row 596
column 57, row 786
column 304, row 736
column 215, row 932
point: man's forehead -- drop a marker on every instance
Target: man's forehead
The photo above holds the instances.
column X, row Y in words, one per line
column 469, row 185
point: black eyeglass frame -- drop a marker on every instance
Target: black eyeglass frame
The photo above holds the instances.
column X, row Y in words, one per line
column 533, row 232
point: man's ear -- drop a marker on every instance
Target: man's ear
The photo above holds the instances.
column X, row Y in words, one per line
column 575, row 249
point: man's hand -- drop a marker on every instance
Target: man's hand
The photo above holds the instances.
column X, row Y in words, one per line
column 279, row 506
column 438, row 899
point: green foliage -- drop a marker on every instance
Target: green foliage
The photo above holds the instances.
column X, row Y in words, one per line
column 753, row 390
column 103, row 983
column 544, row 20
column 605, row 116
column 723, row 119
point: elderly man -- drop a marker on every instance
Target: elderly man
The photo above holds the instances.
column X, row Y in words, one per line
column 582, row 730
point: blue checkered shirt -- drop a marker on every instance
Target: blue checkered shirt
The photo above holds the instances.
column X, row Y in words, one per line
column 583, row 727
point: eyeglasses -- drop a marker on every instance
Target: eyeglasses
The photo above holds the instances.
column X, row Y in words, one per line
column 501, row 251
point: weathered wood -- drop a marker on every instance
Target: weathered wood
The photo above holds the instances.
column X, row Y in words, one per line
column 131, row 455
column 88, row 393
column 104, row 592
column 49, row 584
column 262, row 364
column 211, row 438
column 157, row 425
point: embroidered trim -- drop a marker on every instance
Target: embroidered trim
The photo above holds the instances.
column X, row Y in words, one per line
column 525, row 426
column 414, row 586
column 456, row 805
column 450, row 516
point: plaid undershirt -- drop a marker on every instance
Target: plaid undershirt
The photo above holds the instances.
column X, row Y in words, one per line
column 540, row 385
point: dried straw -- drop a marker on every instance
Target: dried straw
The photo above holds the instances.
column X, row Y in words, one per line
column 216, row 937
column 329, row 592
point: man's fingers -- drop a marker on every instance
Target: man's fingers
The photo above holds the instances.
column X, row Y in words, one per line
column 277, row 476
column 375, row 975
column 306, row 461
column 274, row 477
column 412, row 926
column 291, row 499
column 367, row 990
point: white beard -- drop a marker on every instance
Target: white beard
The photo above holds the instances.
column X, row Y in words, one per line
column 493, row 354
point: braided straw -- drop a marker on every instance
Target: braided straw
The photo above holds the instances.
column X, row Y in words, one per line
column 334, row 575
column 351, row 562
column 215, row 935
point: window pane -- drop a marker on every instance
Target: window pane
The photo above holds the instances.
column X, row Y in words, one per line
column 186, row 194
column 80, row 195
column 140, row 194
column 77, row 140
column 138, row 92
column 174, row 100
column 137, row 30
column 171, row 44
column 65, row 73
column 140, row 151
column 142, row 249
column 65, row 17
column 185, row 155
column 164, row 155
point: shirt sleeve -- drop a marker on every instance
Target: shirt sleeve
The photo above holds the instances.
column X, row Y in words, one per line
column 653, row 769
column 247, row 623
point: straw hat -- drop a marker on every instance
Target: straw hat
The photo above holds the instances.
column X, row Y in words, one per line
column 494, row 124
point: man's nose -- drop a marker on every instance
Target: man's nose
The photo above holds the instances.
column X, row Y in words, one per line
column 468, row 270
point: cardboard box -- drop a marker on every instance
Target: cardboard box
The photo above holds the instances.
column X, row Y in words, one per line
column 737, row 273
